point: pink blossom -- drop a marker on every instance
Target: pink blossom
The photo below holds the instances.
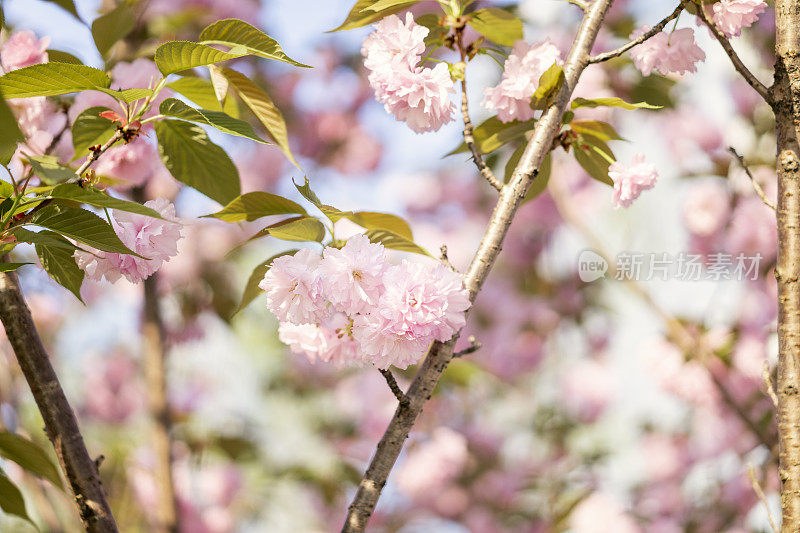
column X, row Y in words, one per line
column 394, row 44
column 511, row 98
column 419, row 97
column 131, row 163
column 707, row 208
column 730, row 16
column 380, row 344
column 114, row 391
column 352, row 278
column 23, row 49
column 676, row 53
column 425, row 300
column 153, row 239
column 293, row 288
column 752, row 230
column 330, row 342
column 432, row 464
column 600, row 513
column 631, row 180
column 587, row 388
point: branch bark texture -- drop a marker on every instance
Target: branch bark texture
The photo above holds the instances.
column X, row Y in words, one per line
column 60, row 422
column 511, row 196
column 786, row 104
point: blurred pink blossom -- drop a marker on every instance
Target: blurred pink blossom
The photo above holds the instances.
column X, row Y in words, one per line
column 131, row 163
column 730, row 16
column 23, row 49
column 631, row 180
column 587, row 388
column 675, row 53
column 430, row 465
column 601, row 513
column 707, row 208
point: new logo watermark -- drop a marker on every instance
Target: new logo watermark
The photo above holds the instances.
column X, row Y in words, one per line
column 683, row 266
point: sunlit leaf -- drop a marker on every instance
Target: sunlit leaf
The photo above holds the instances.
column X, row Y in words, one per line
column 594, row 156
column 201, row 92
column 491, row 134
column 29, row 455
column 51, row 79
column 89, row 129
column 262, row 107
column 60, row 265
column 127, row 95
column 254, row 205
column 59, row 56
column 110, row 27
column 610, row 102
column 172, row 107
column 11, row 500
column 193, row 159
column 360, row 15
column 372, row 220
column 602, row 130
column 394, row 241
column 10, row 133
column 49, row 170
column 10, row 267
column 497, row 25
column 90, row 196
column 82, row 226
column 175, row 56
column 549, row 84
column 303, row 229
column 235, row 32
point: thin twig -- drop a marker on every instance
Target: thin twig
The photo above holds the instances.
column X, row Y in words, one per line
column 761, row 496
column 469, row 138
column 395, row 388
column 599, row 58
column 759, row 191
column 740, row 67
column 767, row 376
column 473, row 347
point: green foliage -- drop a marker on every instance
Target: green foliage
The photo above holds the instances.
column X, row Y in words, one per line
column 436, row 32
column 252, row 290
column 10, row 267
column 49, row 170
column 238, row 33
column 109, row 28
column 89, row 129
column 262, row 107
column 385, row 221
column 497, row 25
column 28, row 455
column 90, row 196
column 10, row 133
column 254, row 205
column 127, row 95
column 594, row 155
column 381, row 5
column 60, row 264
column 176, row 56
column 360, row 15
column 611, row 102
column 11, row 500
column 51, row 79
column 550, row 84
column 602, row 130
column 193, row 159
column 298, row 229
column 394, row 241
column 58, row 56
column 223, row 122
column 80, row 225
column 491, row 134
column 201, row 92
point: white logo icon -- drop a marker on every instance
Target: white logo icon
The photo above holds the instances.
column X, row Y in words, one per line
column 591, row 266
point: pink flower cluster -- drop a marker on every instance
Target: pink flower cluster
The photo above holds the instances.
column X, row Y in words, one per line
column 631, row 180
column 730, row 16
column 156, row 240
column 415, row 95
column 352, row 306
column 511, row 98
column 23, row 49
column 676, row 53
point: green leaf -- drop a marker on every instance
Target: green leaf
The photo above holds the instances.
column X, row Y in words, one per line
column 91, row 196
column 497, row 25
column 201, row 92
column 593, row 155
column 51, row 79
column 306, row 192
column 60, row 264
column 6, row 189
column 300, row 230
column 436, row 32
column 82, row 226
column 11, row 500
column 127, row 95
column 10, row 267
column 251, row 290
column 359, row 16
column 10, row 133
column 381, row 5
column 549, row 84
column 609, row 102
column 372, row 220
column 193, row 159
column 175, row 56
column 235, row 32
column 254, row 205
column 262, row 107
column 109, row 28
column 44, row 238
column 59, row 56
column 602, row 130
column 394, row 241
column 89, row 129
column 224, row 123
column 68, row 5
column 49, row 170
column 219, row 83
column 491, row 134
column 29, row 455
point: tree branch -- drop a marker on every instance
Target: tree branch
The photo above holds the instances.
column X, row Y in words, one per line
column 511, row 196
column 395, row 388
column 469, row 138
column 60, row 423
column 599, row 58
column 740, row 67
column 759, row 191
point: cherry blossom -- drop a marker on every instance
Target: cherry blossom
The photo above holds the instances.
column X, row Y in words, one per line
column 23, row 49
column 293, row 288
column 631, row 180
column 730, row 16
column 676, row 53
column 352, row 278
